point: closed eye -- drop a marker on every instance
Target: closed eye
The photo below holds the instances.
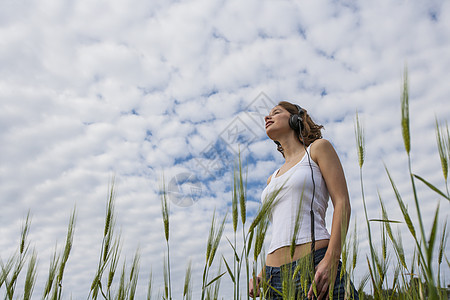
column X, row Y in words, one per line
column 275, row 112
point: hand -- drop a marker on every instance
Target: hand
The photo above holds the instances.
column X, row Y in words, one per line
column 326, row 271
column 250, row 286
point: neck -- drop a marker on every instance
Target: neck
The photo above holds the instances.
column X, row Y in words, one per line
column 292, row 147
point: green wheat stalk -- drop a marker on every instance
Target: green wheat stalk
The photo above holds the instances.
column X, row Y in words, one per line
column 407, row 142
column 261, row 231
column 242, row 188
column 443, row 151
column 236, row 264
column 216, row 287
column 108, row 242
column 406, row 138
column 10, row 284
column 187, row 291
column 134, row 275
column 121, row 293
column 6, row 269
column 51, row 274
column 360, row 146
column 214, row 237
column 442, row 244
column 396, row 242
column 66, row 253
column 444, row 155
column 166, row 279
column 165, row 215
column 149, row 286
column 115, row 254
column 30, row 279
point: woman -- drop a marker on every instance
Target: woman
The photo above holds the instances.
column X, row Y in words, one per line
column 311, row 173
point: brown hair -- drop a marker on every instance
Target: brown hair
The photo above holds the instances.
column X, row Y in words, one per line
column 311, row 131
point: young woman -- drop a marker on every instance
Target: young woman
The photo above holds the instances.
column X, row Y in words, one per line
column 313, row 173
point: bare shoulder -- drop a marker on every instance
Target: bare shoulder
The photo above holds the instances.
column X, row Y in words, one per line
column 268, row 180
column 321, row 148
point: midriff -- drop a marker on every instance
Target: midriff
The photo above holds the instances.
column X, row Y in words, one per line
column 282, row 255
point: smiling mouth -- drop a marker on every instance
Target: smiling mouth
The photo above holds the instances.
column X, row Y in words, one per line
column 268, row 124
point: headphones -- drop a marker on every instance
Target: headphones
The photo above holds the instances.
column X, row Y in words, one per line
column 296, row 120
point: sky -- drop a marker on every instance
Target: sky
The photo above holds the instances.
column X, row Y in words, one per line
column 153, row 92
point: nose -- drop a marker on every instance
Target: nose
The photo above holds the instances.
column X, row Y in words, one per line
column 266, row 118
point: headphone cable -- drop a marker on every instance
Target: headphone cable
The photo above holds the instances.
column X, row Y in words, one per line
column 311, row 212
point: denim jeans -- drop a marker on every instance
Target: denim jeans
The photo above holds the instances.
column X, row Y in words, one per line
column 303, row 278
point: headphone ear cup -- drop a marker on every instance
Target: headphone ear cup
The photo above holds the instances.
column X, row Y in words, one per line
column 293, row 122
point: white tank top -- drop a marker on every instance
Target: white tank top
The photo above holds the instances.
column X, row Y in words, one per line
column 295, row 180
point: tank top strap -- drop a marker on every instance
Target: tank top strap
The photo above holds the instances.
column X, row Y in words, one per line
column 274, row 175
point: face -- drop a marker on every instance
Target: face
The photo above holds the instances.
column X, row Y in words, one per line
column 277, row 122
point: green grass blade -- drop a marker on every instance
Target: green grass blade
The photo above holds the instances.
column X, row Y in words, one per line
column 187, row 279
column 363, row 283
column 214, row 279
column 432, row 187
column 446, row 259
column 442, row 243
column 374, row 283
column 403, row 208
column 384, row 243
column 234, row 250
column 432, row 238
column 398, row 247
column 396, row 276
column 217, row 282
column 384, row 221
column 228, row 269
column 6, row 269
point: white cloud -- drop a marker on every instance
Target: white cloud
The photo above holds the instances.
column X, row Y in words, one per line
column 92, row 88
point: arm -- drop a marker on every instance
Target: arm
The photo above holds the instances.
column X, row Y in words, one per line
column 323, row 153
